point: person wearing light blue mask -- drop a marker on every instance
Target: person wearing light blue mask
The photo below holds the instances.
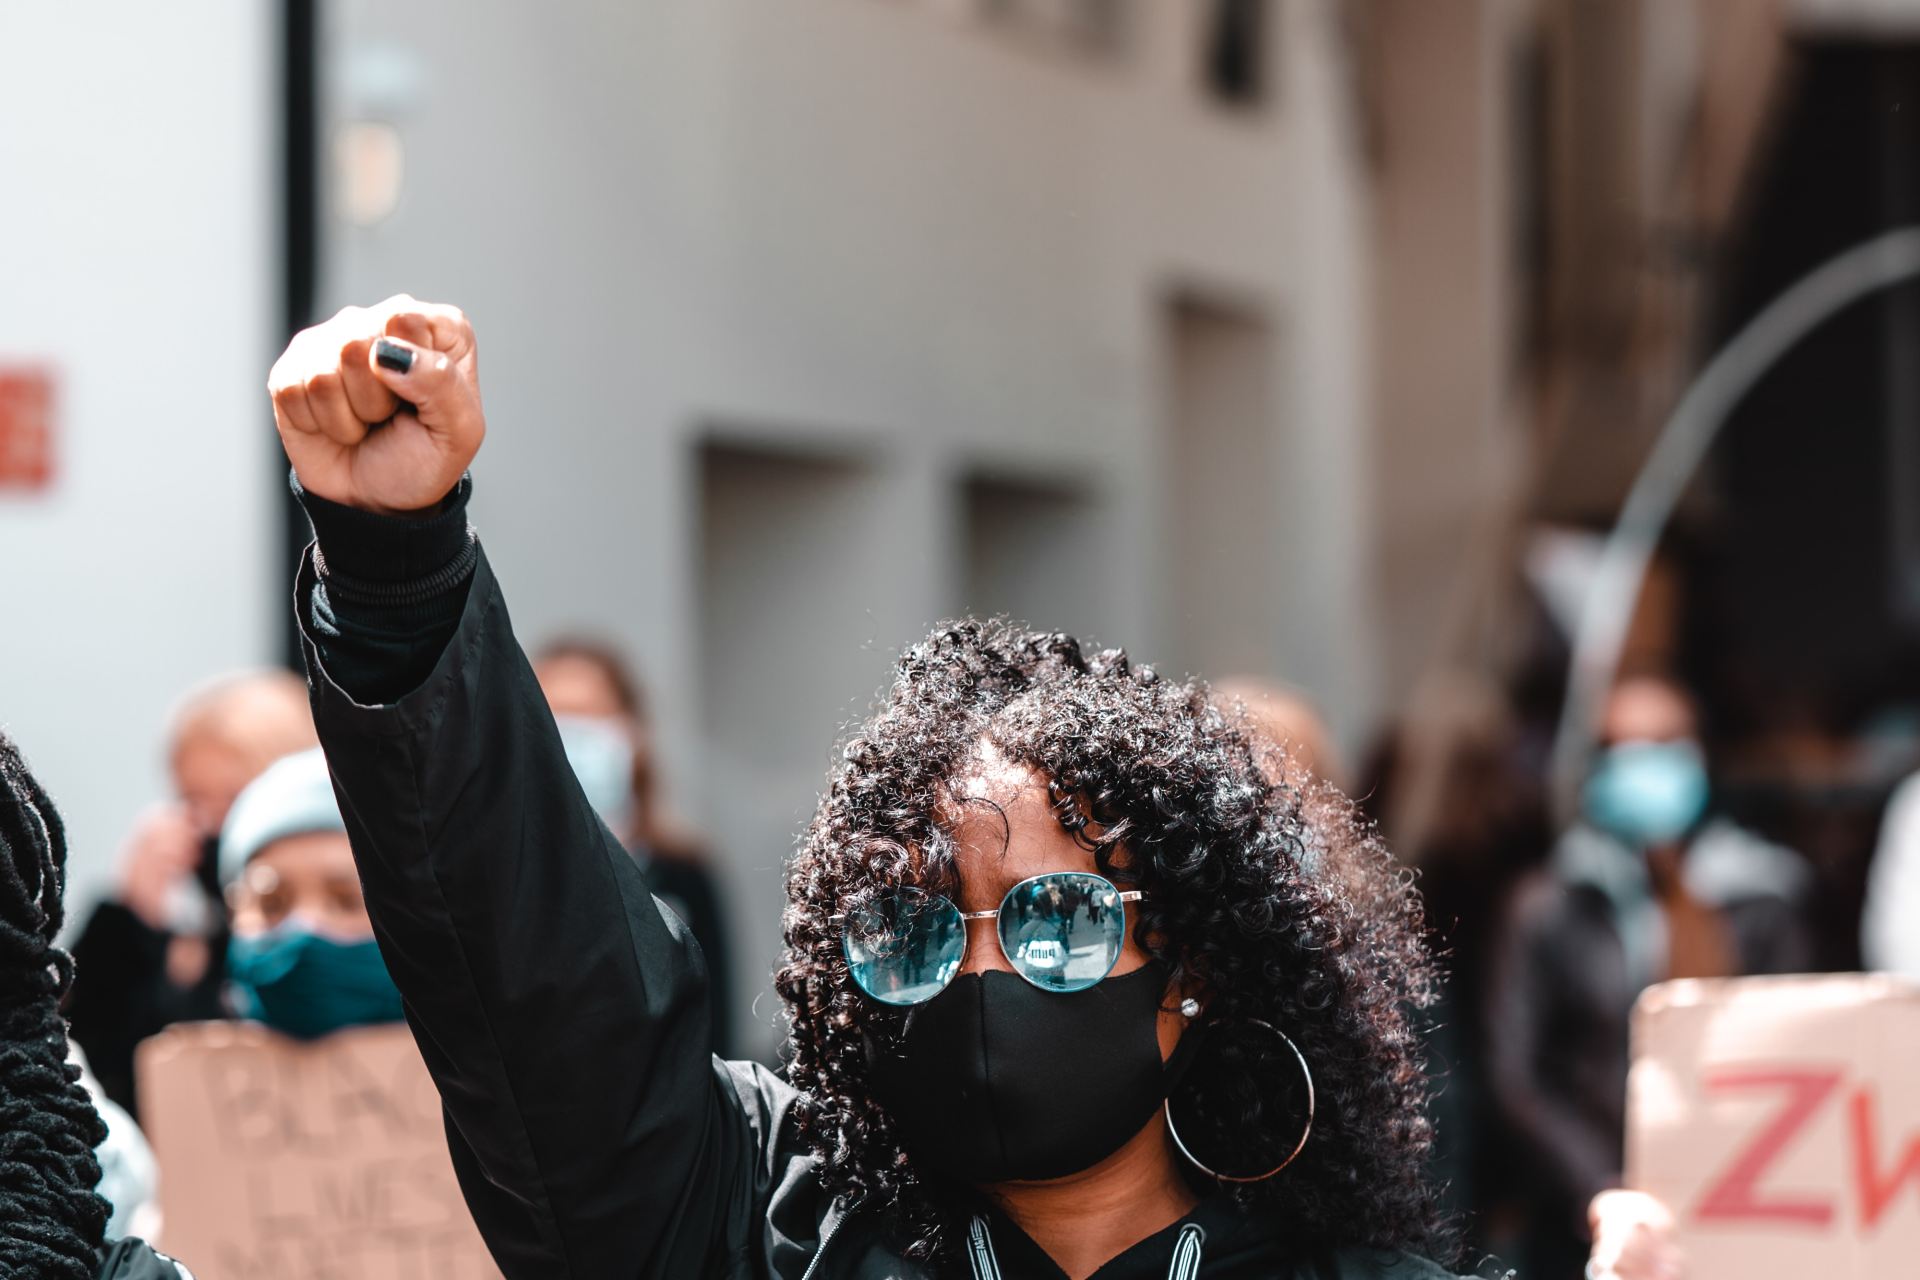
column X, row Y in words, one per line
column 302, row 959
column 1648, row 884
column 1647, row 794
column 601, row 712
column 601, row 754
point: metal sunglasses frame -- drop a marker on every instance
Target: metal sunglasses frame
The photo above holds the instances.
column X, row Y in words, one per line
column 1123, row 896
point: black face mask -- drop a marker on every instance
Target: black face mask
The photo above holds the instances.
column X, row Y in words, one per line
column 996, row 1080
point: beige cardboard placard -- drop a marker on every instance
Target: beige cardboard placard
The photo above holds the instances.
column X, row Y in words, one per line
column 322, row 1161
column 1779, row 1118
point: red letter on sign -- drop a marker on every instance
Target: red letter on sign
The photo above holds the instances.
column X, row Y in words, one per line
column 1875, row 1194
column 1735, row 1196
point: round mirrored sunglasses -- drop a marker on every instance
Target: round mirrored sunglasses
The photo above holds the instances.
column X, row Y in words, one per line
column 1062, row 932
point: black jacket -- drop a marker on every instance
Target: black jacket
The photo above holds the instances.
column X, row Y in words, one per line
column 132, row 1259
column 560, row 1010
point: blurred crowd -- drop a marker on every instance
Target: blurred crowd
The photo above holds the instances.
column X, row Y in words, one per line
column 1554, row 918
column 237, row 898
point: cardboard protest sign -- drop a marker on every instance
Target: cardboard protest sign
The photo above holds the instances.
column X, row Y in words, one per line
column 1779, row 1118
column 322, row 1161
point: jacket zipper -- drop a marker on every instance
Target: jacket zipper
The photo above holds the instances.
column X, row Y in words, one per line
column 826, row 1237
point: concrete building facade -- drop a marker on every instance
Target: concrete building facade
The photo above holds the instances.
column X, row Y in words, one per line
column 804, row 325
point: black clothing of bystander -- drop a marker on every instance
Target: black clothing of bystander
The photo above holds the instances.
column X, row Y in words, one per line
column 1580, row 941
column 122, row 992
column 136, row 1260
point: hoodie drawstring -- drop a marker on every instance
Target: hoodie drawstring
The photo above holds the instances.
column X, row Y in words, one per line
column 986, row 1266
column 1186, row 1253
column 980, row 1250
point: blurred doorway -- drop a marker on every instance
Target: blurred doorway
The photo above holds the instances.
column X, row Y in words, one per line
column 1221, row 485
column 793, row 567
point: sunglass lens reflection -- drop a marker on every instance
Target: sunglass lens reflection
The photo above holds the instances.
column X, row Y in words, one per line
column 1063, row 932
column 906, row 948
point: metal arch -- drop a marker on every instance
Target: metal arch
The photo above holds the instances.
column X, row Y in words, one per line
column 1888, row 259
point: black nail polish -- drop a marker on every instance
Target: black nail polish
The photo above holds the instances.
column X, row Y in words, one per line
column 391, row 355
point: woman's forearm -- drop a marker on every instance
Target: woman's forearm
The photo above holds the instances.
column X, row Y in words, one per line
column 389, row 593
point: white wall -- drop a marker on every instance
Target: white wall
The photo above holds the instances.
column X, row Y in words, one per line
column 1449, row 447
column 861, row 226
column 135, row 208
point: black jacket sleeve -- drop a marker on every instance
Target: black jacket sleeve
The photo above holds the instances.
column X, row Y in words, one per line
column 562, row 1013
column 688, row 888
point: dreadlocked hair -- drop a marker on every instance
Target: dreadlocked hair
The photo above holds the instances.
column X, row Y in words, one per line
column 52, row 1224
column 1262, row 887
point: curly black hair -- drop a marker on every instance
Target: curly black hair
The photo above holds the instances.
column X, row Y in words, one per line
column 1262, row 887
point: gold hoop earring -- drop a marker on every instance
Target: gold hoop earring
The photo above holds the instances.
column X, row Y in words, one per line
column 1307, row 1131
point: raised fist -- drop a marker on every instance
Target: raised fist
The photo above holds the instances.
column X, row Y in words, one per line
column 379, row 407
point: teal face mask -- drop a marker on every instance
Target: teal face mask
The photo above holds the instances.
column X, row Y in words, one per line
column 1647, row 793
column 306, row 985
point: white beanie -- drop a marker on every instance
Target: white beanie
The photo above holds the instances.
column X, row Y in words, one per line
column 294, row 797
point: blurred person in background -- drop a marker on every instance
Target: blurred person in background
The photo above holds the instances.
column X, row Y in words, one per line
column 598, row 704
column 54, row 1223
column 302, row 959
column 1288, row 719
column 1890, row 923
column 1649, row 884
column 1450, row 790
column 152, row 954
column 1213, row 1071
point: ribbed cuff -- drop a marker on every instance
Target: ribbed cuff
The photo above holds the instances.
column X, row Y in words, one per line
column 391, row 560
